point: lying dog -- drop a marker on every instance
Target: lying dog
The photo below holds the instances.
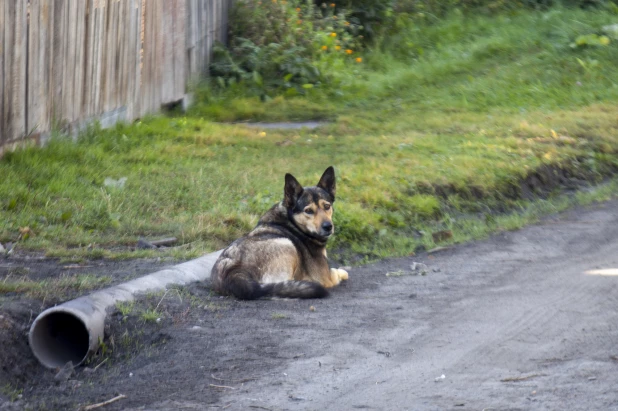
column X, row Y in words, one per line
column 285, row 254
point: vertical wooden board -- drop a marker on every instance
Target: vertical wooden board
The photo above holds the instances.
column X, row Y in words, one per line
column 37, row 119
column 112, row 50
column 56, row 66
column 133, row 59
column 3, row 88
column 164, row 64
column 9, row 61
column 150, row 40
column 14, row 96
column 122, row 73
column 105, row 55
column 78, row 72
column 104, row 47
column 157, row 58
column 117, row 91
column 146, row 55
column 97, row 34
column 180, row 45
column 173, row 43
column 90, row 57
column 70, row 65
column 189, row 36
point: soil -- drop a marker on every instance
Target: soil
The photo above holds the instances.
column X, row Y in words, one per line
column 510, row 323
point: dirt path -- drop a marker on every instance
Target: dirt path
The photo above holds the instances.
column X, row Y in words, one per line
column 513, row 323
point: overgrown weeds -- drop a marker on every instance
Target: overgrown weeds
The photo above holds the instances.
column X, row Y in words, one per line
column 51, row 290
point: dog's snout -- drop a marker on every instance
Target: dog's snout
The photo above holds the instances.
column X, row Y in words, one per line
column 327, row 226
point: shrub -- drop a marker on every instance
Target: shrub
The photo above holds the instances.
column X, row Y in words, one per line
column 284, row 45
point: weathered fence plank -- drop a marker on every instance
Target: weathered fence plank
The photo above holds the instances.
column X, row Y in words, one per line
column 14, row 46
column 3, row 49
column 64, row 63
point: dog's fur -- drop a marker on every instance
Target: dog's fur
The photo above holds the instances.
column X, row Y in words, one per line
column 285, row 254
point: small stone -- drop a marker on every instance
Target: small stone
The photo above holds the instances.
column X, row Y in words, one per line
column 130, row 374
column 196, row 327
column 1, row 248
column 419, row 268
column 88, row 370
column 65, row 372
column 312, row 308
column 436, row 270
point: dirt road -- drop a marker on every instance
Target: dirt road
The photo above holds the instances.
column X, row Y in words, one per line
column 511, row 323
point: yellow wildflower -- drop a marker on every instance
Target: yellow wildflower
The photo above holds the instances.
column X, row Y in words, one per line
column 332, row 4
column 359, row 59
column 348, row 51
column 337, row 48
column 333, row 34
column 324, row 48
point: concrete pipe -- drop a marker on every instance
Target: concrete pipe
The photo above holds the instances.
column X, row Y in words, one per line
column 72, row 331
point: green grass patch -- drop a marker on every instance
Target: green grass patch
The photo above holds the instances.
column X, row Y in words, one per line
column 461, row 128
column 56, row 289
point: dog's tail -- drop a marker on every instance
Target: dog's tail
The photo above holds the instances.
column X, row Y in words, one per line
column 295, row 289
column 243, row 287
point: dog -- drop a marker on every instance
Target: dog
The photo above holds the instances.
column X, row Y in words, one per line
column 285, row 254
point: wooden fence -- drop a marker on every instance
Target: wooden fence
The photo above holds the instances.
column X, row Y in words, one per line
column 65, row 63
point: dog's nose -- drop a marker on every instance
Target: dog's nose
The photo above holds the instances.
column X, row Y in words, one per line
column 327, row 226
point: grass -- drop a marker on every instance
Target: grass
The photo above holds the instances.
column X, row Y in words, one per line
column 12, row 393
column 55, row 289
column 150, row 315
column 442, row 141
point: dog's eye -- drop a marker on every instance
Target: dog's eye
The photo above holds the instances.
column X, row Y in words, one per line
column 308, row 211
column 326, row 206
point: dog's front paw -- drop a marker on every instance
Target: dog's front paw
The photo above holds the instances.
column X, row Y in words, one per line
column 343, row 274
column 340, row 274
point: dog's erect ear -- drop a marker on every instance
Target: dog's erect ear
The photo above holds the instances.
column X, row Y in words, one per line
column 327, row 181
column 291, row 191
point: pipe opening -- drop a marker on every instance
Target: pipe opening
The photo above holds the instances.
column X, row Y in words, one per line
column 60, row 337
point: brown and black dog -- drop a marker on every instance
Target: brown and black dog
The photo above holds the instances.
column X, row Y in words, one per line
column 285, row 254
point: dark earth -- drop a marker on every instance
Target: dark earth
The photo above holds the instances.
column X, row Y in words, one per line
column 509, row 323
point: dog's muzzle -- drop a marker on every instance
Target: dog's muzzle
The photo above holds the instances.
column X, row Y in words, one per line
column 327, row 229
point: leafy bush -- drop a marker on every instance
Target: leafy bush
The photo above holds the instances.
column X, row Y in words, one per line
column 285, row 45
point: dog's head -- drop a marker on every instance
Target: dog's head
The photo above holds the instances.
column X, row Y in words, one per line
column 311, row 208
